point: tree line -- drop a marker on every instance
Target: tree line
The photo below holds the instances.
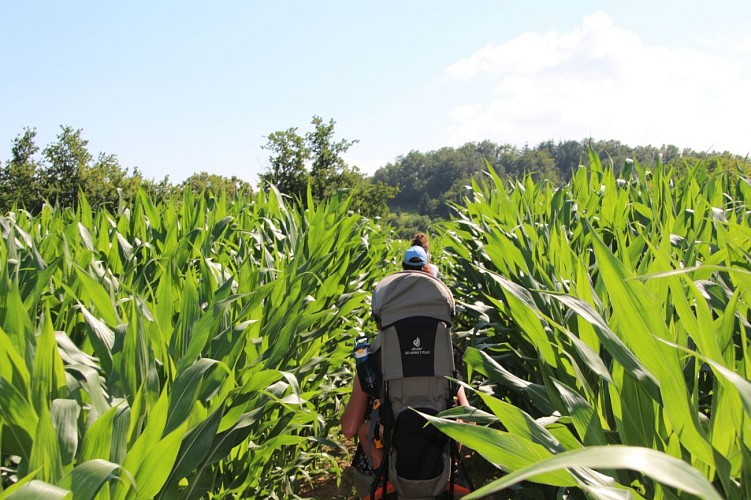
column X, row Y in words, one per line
column 61, row 170
column 428, row 180
column 411, row 191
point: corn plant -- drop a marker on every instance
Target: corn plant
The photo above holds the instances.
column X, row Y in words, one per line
column 609, row 320
column 196, row 348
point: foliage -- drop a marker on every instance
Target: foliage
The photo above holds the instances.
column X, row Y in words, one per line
column 66, row 168
column 606, row 321
column 423, row 183
column 18, row 180
column 289, row 154
column 177, row 350
column 200, row 346
column 314, row 161
column 204, row 182
column 328, row 171
column 66, row 160
column 430, row 182
column 406, row 224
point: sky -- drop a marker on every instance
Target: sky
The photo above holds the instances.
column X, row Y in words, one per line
column 175, row 88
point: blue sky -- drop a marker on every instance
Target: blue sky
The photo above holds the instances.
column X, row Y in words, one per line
column 181, row 87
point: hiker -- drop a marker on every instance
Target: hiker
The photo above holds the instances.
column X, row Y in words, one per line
column 356, row 419
column 420, row 239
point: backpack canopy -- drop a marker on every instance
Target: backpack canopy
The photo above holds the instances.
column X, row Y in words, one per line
column 412, row 293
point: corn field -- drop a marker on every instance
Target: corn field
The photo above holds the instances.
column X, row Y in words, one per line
column 179, row 351
column 202, row 348
column 611, row 329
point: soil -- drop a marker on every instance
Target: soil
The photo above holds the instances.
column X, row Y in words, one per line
column 328, row 486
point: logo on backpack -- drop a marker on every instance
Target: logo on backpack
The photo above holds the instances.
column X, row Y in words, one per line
column 418, row 348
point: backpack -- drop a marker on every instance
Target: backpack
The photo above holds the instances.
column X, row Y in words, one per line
column 415, row 354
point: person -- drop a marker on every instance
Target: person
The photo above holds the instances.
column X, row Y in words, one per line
column 421, row 239
column 355, row 420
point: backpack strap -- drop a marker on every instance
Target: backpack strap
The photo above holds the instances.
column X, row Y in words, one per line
column 372, row 429
column 386, row 416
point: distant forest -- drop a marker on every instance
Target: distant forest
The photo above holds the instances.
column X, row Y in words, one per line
column 411, row 192
column 427, row 180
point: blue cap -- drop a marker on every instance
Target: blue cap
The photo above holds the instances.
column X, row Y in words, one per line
column 415, row 256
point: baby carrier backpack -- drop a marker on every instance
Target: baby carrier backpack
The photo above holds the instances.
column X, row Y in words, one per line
column 415, row 353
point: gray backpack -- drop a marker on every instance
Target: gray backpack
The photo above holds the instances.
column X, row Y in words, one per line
column 414, row 346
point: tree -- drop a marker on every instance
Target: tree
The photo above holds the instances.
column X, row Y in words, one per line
column 105, row 182
column 539, row 163
column 66, row 160
column 568, row 156
column 19, row 184
column 409, row 175
column 289, row 153
column 217, row 184
column 292, row 153
column 329, row 172
column 426, row 181
column 159, row 191
column 371, row 198
column 316, row 159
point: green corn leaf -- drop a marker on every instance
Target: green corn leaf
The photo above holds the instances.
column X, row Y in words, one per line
column 520, row 424
column 150, row 210
column 585, row 419
column 71, row 354
column 84, row 210
column 64, row 414
column 120, row 432
column 36, row 489
column 522, row 307
column 136, row 367
column 238, row 430
column 87, row 479
column 195, row 446
column 16, row 321
column 741, row 385
column 184, row 391
column 145, row 446
column 163, row 308
column 98, row 295
column 190, row 314
column 43, row 278
column 505, row 450
column 12, row 366
column 469, row 414
column 157, row 464
column 102, row 340
column 97, row 440
column 89, row 379
column 632, row 300
column 638, row 415
column 48, row 376
column 612, row 343
column 19, row 421
column 45, row 450
column 83, row 231
column 202, row 330
column 659, row 466
column 257, row 380
column 486, row 365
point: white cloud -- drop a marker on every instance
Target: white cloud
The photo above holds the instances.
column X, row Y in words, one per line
column 742, row 44
column 602, row 81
